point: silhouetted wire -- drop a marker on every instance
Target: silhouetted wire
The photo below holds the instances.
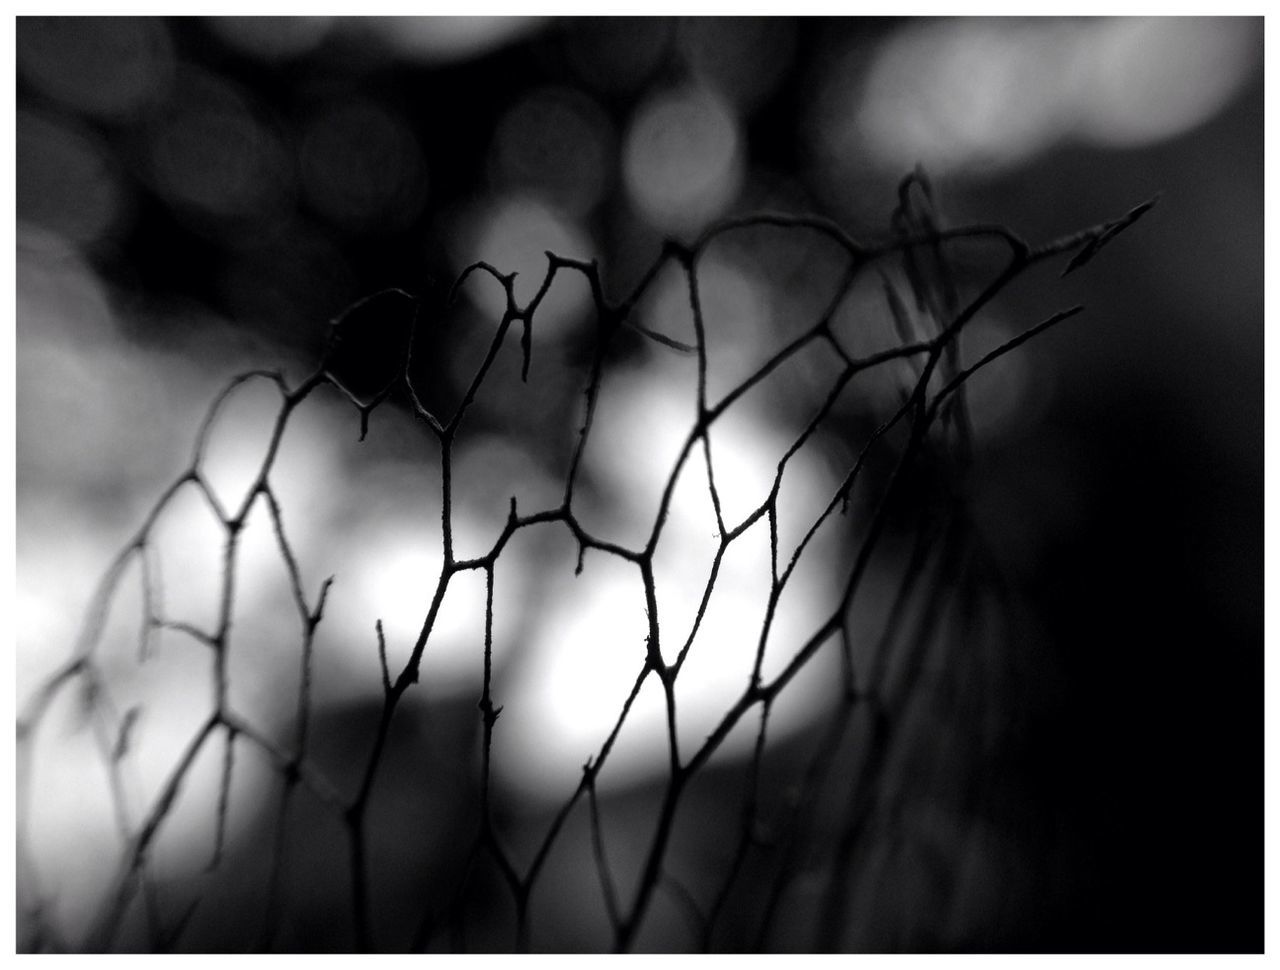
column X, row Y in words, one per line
column 920, row 241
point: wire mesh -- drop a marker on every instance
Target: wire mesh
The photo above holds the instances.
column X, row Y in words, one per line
column 841, row 783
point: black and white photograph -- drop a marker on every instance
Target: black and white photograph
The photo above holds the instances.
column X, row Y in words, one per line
column 643, row 483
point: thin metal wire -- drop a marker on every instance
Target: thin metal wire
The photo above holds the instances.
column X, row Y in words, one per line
column 921, row 244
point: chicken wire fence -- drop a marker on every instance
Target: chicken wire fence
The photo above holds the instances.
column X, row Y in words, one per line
column 793, row 833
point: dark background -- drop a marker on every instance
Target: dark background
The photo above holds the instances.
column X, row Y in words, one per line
column 225, row 189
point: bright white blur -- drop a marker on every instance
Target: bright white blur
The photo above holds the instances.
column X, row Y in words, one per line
column 590, row 643
column 566, row 648
column 982, row 95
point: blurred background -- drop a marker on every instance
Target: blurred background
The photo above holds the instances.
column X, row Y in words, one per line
column 199, row 196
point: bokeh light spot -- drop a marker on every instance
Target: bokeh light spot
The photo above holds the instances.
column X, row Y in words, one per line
column 362, row 167
column 682, row 162
column 514, row 235
column 211, row 157
column 441, row 39
column 617, row 55
column 108, row 67
column 1152, row 79
column 742, row 58
column 273, row 38
column 66, row 182
column 556, row 143
column 985, row 95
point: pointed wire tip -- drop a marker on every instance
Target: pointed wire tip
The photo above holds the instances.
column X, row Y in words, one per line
column 1107, row 232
